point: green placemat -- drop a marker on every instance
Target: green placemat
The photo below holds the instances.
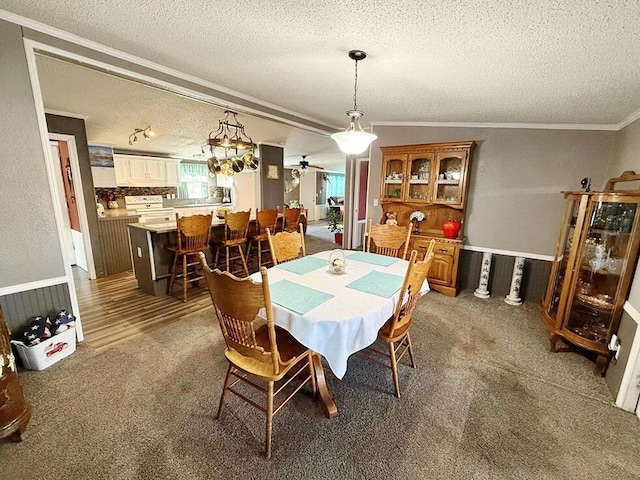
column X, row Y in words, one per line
column 296, row 297
column 378, row 283
column 373, row 258
column 303, row 265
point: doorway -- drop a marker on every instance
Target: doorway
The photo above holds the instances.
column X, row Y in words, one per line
column 75, row 226
column 360, row 193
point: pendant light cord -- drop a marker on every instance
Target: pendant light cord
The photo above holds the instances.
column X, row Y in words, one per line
column 355, row 89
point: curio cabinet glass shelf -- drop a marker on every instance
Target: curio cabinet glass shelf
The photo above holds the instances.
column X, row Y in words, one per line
column 594, row 263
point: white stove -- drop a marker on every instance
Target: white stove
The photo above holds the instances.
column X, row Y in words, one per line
column 150, row 208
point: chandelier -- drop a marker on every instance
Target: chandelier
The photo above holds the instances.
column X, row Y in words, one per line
column 230, row 135
column 354, row 140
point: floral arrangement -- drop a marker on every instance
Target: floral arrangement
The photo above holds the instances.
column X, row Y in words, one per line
column 417, row 216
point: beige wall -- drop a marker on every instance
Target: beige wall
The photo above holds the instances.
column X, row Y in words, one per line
column 30, row 246
column 626, row 152
column 516, row 178
column 627, row 157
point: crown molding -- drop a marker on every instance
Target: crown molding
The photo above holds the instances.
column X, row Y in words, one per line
column 629, row 120
column 534, row 126
column 127, row 57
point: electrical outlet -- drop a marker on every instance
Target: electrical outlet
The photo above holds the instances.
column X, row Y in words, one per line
column 139, row 252
column 375, row 202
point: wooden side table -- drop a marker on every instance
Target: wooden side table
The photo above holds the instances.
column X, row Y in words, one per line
column 15, row 412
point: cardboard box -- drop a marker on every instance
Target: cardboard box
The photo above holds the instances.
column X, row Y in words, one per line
column 48, row 352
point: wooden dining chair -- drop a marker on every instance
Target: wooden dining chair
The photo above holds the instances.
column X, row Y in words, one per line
column 265, row 353
column 390, row 240
column 193, row 237
column 286, row 246
column 396, row 329
column 236, row 226
column 290, row 219
column 264, row 219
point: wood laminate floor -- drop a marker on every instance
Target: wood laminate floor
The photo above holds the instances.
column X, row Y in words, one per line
column 113, row 309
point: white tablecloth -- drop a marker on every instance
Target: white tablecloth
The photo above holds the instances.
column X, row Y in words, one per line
column 346, row 323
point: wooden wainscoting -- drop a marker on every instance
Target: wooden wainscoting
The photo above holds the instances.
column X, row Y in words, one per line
column 114, row 310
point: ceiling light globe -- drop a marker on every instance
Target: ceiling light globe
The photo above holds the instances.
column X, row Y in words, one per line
column 353, row 142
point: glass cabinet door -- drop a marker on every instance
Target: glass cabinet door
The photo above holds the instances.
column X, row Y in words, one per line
column 392, row 183
column 419, row 178
column 559, row 267
column 449, row 181
column 600, row 265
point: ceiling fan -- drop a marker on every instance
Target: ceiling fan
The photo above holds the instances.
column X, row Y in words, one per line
column 296, row 173
column 304, row 164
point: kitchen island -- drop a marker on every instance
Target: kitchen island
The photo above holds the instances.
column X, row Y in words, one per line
column 150, row 257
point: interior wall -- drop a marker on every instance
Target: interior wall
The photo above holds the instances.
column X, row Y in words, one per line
column 30, row 246
column 516, row 179
column 627, row 157
column 272, row 189
column 76, row 127
column 626, row 151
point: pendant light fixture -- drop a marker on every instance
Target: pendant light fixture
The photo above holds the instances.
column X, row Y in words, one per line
column 354, row 140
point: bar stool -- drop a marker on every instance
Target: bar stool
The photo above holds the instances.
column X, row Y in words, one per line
column 291, row 219
column 264, row 219
column 193, row 238
column 235, row 236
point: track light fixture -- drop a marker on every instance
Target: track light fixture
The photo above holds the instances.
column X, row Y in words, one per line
column 146, row 134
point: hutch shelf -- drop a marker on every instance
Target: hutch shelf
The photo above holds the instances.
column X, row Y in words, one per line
column 592, row 270
column 431, row 178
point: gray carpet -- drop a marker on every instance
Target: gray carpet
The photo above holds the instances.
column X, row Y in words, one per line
column 487, row 401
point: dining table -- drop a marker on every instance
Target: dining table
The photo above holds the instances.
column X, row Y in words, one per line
column 335, row 314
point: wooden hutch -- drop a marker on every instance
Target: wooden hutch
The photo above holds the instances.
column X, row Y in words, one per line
column 431, row 178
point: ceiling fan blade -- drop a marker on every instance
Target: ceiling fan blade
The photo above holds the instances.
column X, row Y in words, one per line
column 316, row 166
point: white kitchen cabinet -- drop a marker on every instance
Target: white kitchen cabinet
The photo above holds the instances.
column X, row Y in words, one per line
column 147, row 172
column 123, row 170
column 141, row 171
column 173, row 173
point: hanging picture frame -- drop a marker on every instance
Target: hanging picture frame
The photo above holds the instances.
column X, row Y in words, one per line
column 273, row 172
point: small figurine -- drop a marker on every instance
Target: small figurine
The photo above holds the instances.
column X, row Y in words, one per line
column 391, row 218
column 586, row 184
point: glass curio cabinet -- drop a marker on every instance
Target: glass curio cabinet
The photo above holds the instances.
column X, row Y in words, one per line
column 592, row 270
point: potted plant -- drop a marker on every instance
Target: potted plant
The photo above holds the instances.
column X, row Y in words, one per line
column 335, row 225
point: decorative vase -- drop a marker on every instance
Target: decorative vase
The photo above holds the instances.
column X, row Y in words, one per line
column 451, row 228
column 337, row 262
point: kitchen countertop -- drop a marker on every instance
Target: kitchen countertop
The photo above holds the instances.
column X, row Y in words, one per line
column 167, row 227
column 118, row 213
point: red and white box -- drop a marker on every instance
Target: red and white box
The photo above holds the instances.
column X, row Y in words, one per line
column 47, row 352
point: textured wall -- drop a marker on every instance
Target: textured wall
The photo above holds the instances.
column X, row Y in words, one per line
column 272, row 190
column 627, row 157
column 30, row 246
column 516, row 178
column 626, row 151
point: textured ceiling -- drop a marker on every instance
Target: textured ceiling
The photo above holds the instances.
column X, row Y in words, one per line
column 113, row 107
column 545, row 61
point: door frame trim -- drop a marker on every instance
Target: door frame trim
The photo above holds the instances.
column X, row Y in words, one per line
column 49, row 162
column 82, row 207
